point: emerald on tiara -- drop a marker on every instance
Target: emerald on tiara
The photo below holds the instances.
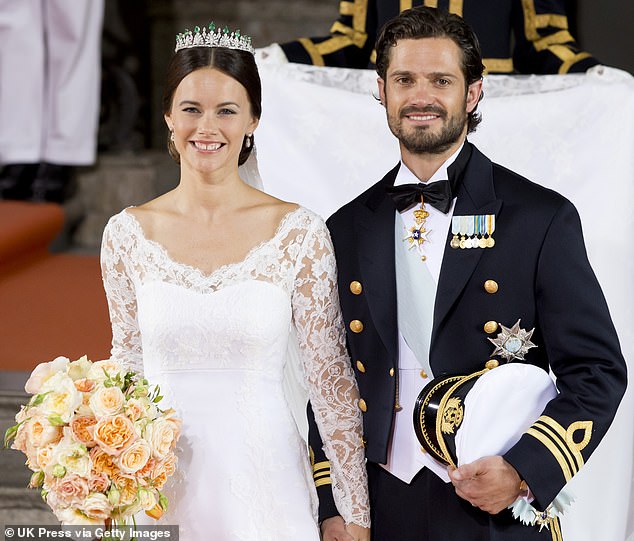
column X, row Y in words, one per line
column 211, row 37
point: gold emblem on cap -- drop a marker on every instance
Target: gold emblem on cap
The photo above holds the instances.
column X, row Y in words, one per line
column 362, row 405
column 452, row 416
column 489, row 327
column 492, row 363
column 355, row 287
column 360, row 367
column 491, row 286
column 357, row 326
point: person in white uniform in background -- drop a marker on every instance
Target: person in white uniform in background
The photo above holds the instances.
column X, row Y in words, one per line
column 50, row 78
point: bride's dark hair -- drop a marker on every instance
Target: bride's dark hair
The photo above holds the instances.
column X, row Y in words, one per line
column 239, row 65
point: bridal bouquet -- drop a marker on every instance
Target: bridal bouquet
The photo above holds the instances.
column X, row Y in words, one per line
column 97, row 442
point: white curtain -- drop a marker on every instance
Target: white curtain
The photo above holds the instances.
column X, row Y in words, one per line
column 323, row 139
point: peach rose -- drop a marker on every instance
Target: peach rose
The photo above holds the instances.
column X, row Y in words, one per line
column 83, row 429
column 114, row 434
column 170, row 464
column 43, row 456
column 170, row 416
column 160, row 435
column 98, row 482
column 40, row 432
column 107, row 401
column 68, row 490
column 159, row 475
column 135, row 457
column 127, row 486
column 97, row 506
column 43, row 372
column 135, row 409
column 84, row 385
column 70, row 516
column 102, row 462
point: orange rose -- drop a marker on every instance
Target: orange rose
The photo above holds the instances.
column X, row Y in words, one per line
column 114, row 434
column 83, row 429
column 127, row 486
column 84, row 385
column 102, row 462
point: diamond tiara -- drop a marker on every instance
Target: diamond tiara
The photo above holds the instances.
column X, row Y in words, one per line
column 210, row 37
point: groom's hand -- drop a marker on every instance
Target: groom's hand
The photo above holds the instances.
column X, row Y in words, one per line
column 489, row 483
column 334, row 529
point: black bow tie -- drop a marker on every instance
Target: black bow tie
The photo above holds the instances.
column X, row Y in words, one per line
column 437, row 194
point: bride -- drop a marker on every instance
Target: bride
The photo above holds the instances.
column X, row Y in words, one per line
column 207, row 285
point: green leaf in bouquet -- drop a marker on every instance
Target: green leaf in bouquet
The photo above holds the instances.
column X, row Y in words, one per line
column 56, row 420
column 38, row 399
column 163, row 501
column 44, row 493
column 157, row 399
column 10, row 434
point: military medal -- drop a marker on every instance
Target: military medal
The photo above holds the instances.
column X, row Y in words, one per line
column 512, row 343
column 482, row 243
column 455, row 229
column 470, row 242
column 490, row 229
column 418, row 233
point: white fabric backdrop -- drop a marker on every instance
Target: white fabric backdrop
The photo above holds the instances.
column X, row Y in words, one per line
column 323, row 139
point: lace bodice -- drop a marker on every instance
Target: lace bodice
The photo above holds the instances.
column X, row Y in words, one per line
column 298, row 262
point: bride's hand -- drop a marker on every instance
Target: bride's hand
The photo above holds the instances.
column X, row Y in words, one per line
column 358, row 532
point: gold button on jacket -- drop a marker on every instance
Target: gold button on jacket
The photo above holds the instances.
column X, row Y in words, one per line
column 489, row 327
column 360, row 367
column 362, row 405
column 491, row 286
column 356, row 287
column 356, row 326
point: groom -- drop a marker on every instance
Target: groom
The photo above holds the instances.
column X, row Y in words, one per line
column 424, row 282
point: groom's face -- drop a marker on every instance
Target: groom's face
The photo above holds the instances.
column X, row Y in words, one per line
column 426, row 96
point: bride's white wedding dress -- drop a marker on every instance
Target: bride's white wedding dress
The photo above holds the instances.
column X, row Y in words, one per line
column 216, row 344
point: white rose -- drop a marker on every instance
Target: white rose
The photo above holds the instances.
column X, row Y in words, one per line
column 80, row 368
column 71, row 455
column 70, row 516
column 160, row 435
column 99, row 369
column 107, row 401
column 97, row 506
column 62, row 397
column 43, row 372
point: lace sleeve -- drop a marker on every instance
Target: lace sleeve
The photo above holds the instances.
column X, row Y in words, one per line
column 332, row 387
column 120, row 292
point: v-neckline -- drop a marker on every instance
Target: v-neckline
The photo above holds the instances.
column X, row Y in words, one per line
column 209, row 275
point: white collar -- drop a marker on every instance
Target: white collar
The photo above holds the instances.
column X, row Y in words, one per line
column 406, row 176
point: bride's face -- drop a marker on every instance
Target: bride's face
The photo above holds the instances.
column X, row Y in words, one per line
column 209, row 117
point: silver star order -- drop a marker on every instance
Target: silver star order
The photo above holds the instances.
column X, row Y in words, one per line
column 512, row 343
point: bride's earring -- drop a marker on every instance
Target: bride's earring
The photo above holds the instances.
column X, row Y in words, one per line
column 248, row 141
